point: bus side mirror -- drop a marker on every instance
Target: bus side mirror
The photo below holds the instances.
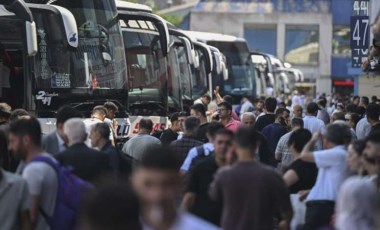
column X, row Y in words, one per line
column 106, row 57
column 31, row 38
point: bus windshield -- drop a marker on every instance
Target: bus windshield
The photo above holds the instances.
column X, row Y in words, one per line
column 147, row 69
column 99, row 60
column 199, row 76
column 241, row 80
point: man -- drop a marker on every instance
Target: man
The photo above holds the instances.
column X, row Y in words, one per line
column 157, row 183
column 229, row 99
column 251, row 193
column 338, row 116
column 196, row 198
column 312, row 123
column 56, row 141
column 259, row 108
column 269, row 117
column 275, row 131
column 182, row 146
column 248, row 119
column 99, row 137
column 202, row 151
column 246, row 105
column 88, row 164
column 25, row 144
column 364, row 101
column 225, row 116
column 297, row 111
column 110, row 119
column 322, row 113
column 283, row 153
column 142, row 142
column 203, row 100
column 171, row 134
column 332, row 171
column 199, row 111
column 14, row 195
column 356, row 100
column 98, row 115
column 373, row 113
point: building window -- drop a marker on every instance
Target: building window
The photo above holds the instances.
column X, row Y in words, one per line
column 302, row 44
column 261, row 38
column 341, row 40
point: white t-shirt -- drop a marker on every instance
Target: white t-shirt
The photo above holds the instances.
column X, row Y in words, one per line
column 42, row 181
column 186, row 221
column 332, row 171
column 314, row 125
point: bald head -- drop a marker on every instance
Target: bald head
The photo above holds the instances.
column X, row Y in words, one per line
column 248, row 119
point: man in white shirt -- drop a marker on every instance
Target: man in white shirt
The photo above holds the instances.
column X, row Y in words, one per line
column 332, row 171
column 312, row 123
column 25, row 144
column 157, row 183
column 98, row 115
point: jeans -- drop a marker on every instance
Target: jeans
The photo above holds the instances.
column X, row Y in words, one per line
column 318, row 214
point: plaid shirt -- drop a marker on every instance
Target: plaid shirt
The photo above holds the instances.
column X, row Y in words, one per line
column 283, row 151
column 182, row 147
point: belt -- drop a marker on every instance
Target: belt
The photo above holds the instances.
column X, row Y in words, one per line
column 319, row 202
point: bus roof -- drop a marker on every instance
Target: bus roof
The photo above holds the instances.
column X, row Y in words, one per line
column 206, row 36
column 122, row 5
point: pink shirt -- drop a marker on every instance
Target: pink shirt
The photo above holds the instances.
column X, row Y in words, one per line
column 233, row 125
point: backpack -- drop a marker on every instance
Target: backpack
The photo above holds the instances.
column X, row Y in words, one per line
column 69, row 196
column 199, row 157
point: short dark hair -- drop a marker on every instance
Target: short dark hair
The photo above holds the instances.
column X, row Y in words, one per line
column 358, row 146
column 109, row 105
column 351, row 108
column 282, row 103
column 103, row 129
column 355, row 118
column 322, row 101
column 114, row 206
column 3, row 148
column 339, row 116
column 374, row 98
column 374, row 137
column 248, row 138
column 159, row 158
column 206, row 96
column 174, row 117
column 199, row 108
column 365, row 100
column 65, row 113
column 101, row 109
column 213, row 127
column 192, row 124
column 373, row 111
column 312, row 108
column 228, row 99
column 360, row 110
column 226, row 105
column 30, row 127
column 355, row 97
column 15, row 114
column 224, row 132
column 338, row 133
column 146, row 124
column 297, row 122
column 299, row 138
column 279, row 112
column 270, row 104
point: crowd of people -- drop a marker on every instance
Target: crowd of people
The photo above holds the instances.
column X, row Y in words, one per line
column 265, row 164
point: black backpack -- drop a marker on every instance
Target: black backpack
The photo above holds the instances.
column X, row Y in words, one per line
column 200, row 156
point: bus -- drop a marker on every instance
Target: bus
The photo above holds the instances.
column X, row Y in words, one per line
column 80, row 59
column 241, row 79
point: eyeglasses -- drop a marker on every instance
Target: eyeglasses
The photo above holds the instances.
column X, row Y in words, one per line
column 221, row 109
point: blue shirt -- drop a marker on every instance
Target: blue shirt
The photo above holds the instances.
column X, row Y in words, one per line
column 273, row 133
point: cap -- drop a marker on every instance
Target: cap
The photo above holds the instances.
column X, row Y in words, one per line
column 312, row 107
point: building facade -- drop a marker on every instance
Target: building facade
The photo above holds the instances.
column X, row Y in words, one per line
column 312, row 35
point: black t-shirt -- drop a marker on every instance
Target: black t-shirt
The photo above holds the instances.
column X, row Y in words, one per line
column 201, row 134
column 263, row 121
column 307, row 174
column 375, row 128
column 167, row 137
column 200, row 179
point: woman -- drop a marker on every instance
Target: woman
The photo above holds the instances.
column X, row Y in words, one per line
column 300, row 175
column 354, row 157
column 356, row 205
